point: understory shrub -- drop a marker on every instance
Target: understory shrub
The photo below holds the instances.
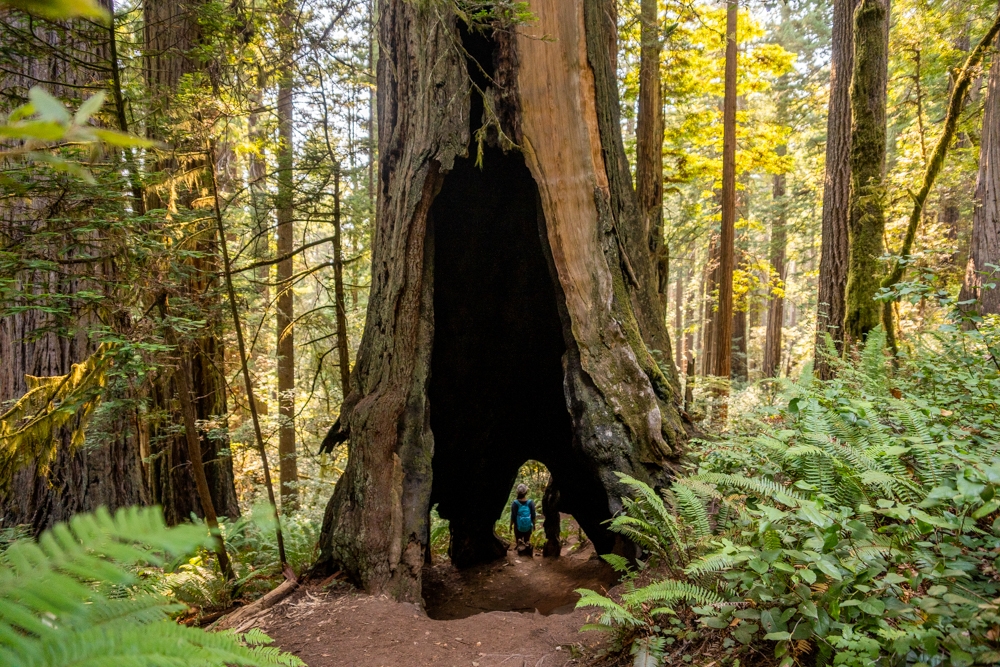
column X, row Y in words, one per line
column 75, row 597
column 848, row 522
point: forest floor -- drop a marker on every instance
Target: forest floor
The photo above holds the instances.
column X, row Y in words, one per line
column 516, row 612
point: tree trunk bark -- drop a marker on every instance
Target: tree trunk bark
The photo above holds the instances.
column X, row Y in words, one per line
column 343, row 354
column 507, row 319
column 868, row 136
column 776, row 304
column 723, row 334
column 67, row 60
column 285, row 304
column 172, row 34
column 649, row 146
column 836, row 189
column 984, row 251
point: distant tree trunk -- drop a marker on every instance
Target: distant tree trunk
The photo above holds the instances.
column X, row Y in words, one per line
column 343, row 354
column 505, row 299
column 71, row 61
column 868, row 137
column 836, row 188
column 723, row 334
column 984, row 252
column 740, row 367
column 172, row 34
column 710, row 315
column 679, row 320
column 285, row 303
column 776, row 304
column 649, row 146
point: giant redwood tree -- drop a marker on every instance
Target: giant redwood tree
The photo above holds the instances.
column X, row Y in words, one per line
column 513, row 314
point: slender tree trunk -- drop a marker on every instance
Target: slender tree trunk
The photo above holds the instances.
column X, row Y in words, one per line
column 343, row 356
column 193, row 440
column 984, row 252
column 505, row 294
column 285, row 304
column 649, row 146
column 868, row 148
column 836, row 189
column 776, row 304
column 679, row 320
column 710, row 315
column 723, row 334
column 172, row 36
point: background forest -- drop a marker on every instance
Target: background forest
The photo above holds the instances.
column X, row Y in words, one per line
column 187, row 203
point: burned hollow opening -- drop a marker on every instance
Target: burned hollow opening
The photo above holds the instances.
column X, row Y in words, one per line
column 496, row 389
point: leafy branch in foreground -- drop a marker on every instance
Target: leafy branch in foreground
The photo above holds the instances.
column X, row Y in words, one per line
column 71, row 599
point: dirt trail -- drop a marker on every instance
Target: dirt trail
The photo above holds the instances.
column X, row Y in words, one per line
column 515, row 613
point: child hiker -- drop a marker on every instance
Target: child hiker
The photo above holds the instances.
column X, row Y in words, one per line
column 522, row 520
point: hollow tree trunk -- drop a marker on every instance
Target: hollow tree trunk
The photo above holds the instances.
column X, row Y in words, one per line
column 984, row 252
column 868, row 135
column 172, row 35
column 71, row 61
column 836, row 188
column 509, row 317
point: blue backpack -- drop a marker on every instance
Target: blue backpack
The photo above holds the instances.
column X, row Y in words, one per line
column 523, row 516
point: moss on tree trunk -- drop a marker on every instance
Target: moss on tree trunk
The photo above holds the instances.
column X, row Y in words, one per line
column 868, row 136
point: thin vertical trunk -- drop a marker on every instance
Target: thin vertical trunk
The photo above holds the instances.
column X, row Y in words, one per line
column 679, row 320
column 868, row 148
column 836, row 188
column 740, row 342
column 371, row 108
column 172, row 36
column 285, row 305
column 710, row 318
column 343, row 355
column 723, row 334
column 649, row 146
column 984, row 252
column 193, row 440
column 776, row 304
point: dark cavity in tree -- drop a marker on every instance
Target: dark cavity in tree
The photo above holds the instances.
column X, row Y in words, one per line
column 496, row 389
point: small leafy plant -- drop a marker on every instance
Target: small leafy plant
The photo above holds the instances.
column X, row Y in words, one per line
column 856, row 523
column 73, row 598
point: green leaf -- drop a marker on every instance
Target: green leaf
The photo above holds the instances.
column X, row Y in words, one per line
column 778, row 636
column 872, row 606
column 829, row 569
column 39, row 130
column 48, row 107
column 986, row 509
column 121, row 139
column 61, row 9
column 89, row 107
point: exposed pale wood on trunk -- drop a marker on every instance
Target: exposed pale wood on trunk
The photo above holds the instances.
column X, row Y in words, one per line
column 620, row 405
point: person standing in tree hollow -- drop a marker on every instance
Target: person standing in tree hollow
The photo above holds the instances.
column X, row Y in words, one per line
column 522, row 518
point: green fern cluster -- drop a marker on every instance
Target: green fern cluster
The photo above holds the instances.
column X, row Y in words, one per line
column 857, row 525
column 71, row 599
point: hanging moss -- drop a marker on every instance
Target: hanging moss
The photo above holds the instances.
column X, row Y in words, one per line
column 868, row 135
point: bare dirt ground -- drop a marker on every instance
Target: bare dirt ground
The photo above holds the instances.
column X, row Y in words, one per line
column 517, row 612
